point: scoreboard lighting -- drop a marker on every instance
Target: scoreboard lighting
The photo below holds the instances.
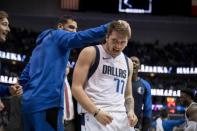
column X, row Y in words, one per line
column 158, row 107
column 8, row 80
column 162, row 92
column 171, row 104
column 168, row 70
column 186, row 70
column 155, row 69
column 135, row 6
column 12, row 56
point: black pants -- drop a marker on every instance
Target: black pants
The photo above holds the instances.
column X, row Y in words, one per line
column 69, row 125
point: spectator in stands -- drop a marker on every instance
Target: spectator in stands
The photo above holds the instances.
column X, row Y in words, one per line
column 142, row 95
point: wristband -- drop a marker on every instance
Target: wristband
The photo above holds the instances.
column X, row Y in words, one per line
column 96, row 113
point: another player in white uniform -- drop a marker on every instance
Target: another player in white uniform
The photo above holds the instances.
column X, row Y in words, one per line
column 187, row 99
column 102, row 83
column 191, row 114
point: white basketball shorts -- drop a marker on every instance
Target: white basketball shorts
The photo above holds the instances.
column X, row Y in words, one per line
column 119, row 123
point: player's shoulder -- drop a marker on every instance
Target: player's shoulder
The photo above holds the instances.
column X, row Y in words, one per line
column 89, row 49
column 145, row 82
column 88, row 52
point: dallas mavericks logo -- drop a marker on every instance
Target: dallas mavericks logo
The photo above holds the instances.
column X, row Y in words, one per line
column 114, row 71
column 140, row 90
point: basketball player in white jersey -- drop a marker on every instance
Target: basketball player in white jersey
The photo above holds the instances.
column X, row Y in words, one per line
column 192, row 118
column 102, row 83
column 187, row 99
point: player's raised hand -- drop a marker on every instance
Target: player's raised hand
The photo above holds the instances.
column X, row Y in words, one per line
column 103, row 117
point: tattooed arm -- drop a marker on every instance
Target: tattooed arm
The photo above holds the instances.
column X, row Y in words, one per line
column 129, row 101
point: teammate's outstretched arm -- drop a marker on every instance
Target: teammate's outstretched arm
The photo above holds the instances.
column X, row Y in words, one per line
column 84, row 62
column 129, row 101
column 82, row 38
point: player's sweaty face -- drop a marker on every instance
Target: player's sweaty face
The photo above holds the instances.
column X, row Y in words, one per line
column 116, row 43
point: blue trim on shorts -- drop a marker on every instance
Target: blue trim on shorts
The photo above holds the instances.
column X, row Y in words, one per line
column 82, row 120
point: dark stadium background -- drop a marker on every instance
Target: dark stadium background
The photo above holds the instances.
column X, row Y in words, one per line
column 165, row 37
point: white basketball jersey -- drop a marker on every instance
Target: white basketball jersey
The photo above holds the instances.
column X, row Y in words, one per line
column 186, row 118
column 106, row 86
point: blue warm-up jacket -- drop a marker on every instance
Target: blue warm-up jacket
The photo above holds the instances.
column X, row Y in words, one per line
column 43, row 77
column 141, row 90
